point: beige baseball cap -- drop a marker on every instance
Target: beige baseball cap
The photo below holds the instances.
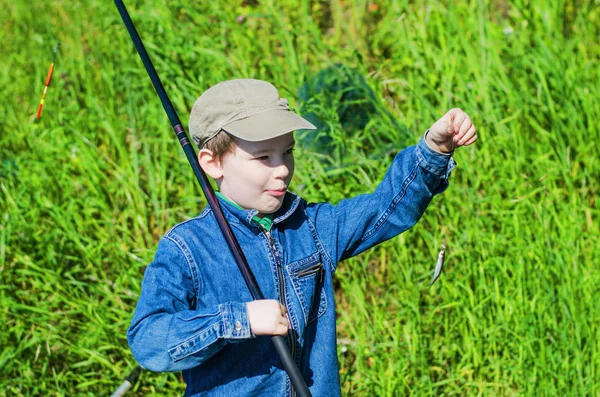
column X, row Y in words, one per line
column 246, row 108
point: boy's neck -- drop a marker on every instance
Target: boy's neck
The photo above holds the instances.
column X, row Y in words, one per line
column 266, row 221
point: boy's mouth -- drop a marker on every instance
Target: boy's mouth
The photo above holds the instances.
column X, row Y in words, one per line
column 278, row 192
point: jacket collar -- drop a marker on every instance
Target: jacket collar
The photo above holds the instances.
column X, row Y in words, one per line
column 234, row 213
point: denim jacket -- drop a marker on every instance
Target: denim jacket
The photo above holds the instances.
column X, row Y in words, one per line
column 191, row 315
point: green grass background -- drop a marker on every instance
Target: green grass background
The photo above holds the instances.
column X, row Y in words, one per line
column 86, row 192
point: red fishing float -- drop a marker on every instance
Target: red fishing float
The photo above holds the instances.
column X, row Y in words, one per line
column 48, row 79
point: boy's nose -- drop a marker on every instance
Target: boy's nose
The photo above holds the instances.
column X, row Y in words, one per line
column 281, row 171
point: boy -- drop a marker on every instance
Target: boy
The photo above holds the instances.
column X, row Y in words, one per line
column 195, row 313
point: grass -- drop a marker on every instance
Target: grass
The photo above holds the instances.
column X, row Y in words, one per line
column 88, row 190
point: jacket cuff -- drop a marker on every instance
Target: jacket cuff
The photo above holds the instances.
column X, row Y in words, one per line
column 440, row 164
column 235, row 321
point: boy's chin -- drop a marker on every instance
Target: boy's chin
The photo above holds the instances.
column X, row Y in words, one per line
column 270, row 208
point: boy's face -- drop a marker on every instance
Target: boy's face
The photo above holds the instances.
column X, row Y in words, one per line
column 256, row 175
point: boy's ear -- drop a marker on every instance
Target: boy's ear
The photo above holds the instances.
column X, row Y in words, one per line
column 210, row 164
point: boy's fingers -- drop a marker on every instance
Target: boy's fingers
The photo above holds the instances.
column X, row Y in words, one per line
column 282, row 330
column 283, row 326
column 457, row 122
column 452, row 113
column 467, row 136
column 470, row 141
column 464, row 127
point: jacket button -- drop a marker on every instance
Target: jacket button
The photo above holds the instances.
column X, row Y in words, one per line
column 238, row 326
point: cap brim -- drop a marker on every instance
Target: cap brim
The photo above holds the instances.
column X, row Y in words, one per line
column 267, row 125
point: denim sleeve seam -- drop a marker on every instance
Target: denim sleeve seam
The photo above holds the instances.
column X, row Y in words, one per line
column 397, row 198
column 319, row 242
column 178, row 241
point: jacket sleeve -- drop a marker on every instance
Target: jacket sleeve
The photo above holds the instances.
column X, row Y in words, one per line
column 353, row 225
column 167, row 332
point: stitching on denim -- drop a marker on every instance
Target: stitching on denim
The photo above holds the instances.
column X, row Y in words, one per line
column 231, row 218
column 397, row 198
column 233, row 313
column 297, row 285
column 226, row 320
column 324, row 255
column 319, row 243
column 196, row 337
column 250, row 215
column 421, row 158
column 293, row 267
column 280, row 251
column 288, row 386
column 429, row 166
column 185, row 250
column 202, row 215
column 273, row 262
column 322, row 302
column 291, row 313
column 322, row 305
column 246, row 323
column 292, row 208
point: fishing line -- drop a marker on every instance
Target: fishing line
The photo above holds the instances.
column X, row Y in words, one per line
column 439, row 265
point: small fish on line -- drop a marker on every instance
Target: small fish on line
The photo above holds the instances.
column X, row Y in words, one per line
column 438, row 266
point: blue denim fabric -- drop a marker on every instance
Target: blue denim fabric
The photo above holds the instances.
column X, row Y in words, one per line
column 191, row 315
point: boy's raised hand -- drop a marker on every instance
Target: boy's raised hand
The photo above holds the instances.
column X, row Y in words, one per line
column 453, row 130
column 267, row 317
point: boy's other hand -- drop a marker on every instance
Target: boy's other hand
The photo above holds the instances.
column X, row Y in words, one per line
column 453, row 130
column 267, row 317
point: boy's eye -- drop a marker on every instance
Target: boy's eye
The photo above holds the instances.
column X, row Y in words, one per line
column 262, row 158
column 289, row 151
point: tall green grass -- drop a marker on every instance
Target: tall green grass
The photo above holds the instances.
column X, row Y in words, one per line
column 86, row 192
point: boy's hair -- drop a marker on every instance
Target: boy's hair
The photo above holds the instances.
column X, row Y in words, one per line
column 220, row 144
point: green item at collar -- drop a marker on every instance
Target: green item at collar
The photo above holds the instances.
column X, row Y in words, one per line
column 266, row 222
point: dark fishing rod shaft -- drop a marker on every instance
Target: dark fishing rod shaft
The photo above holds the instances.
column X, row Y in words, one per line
column 279, row 341
column 128, row 382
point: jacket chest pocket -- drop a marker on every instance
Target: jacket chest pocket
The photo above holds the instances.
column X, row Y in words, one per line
column 307, row 276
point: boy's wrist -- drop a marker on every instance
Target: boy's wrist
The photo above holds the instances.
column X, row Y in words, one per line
column 437, row 163
column 440, row 147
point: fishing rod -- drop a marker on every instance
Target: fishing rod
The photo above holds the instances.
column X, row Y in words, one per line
column 287, row 360
column 128, row 382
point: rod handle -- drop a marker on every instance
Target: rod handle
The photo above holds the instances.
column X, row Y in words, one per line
column 290, row 366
